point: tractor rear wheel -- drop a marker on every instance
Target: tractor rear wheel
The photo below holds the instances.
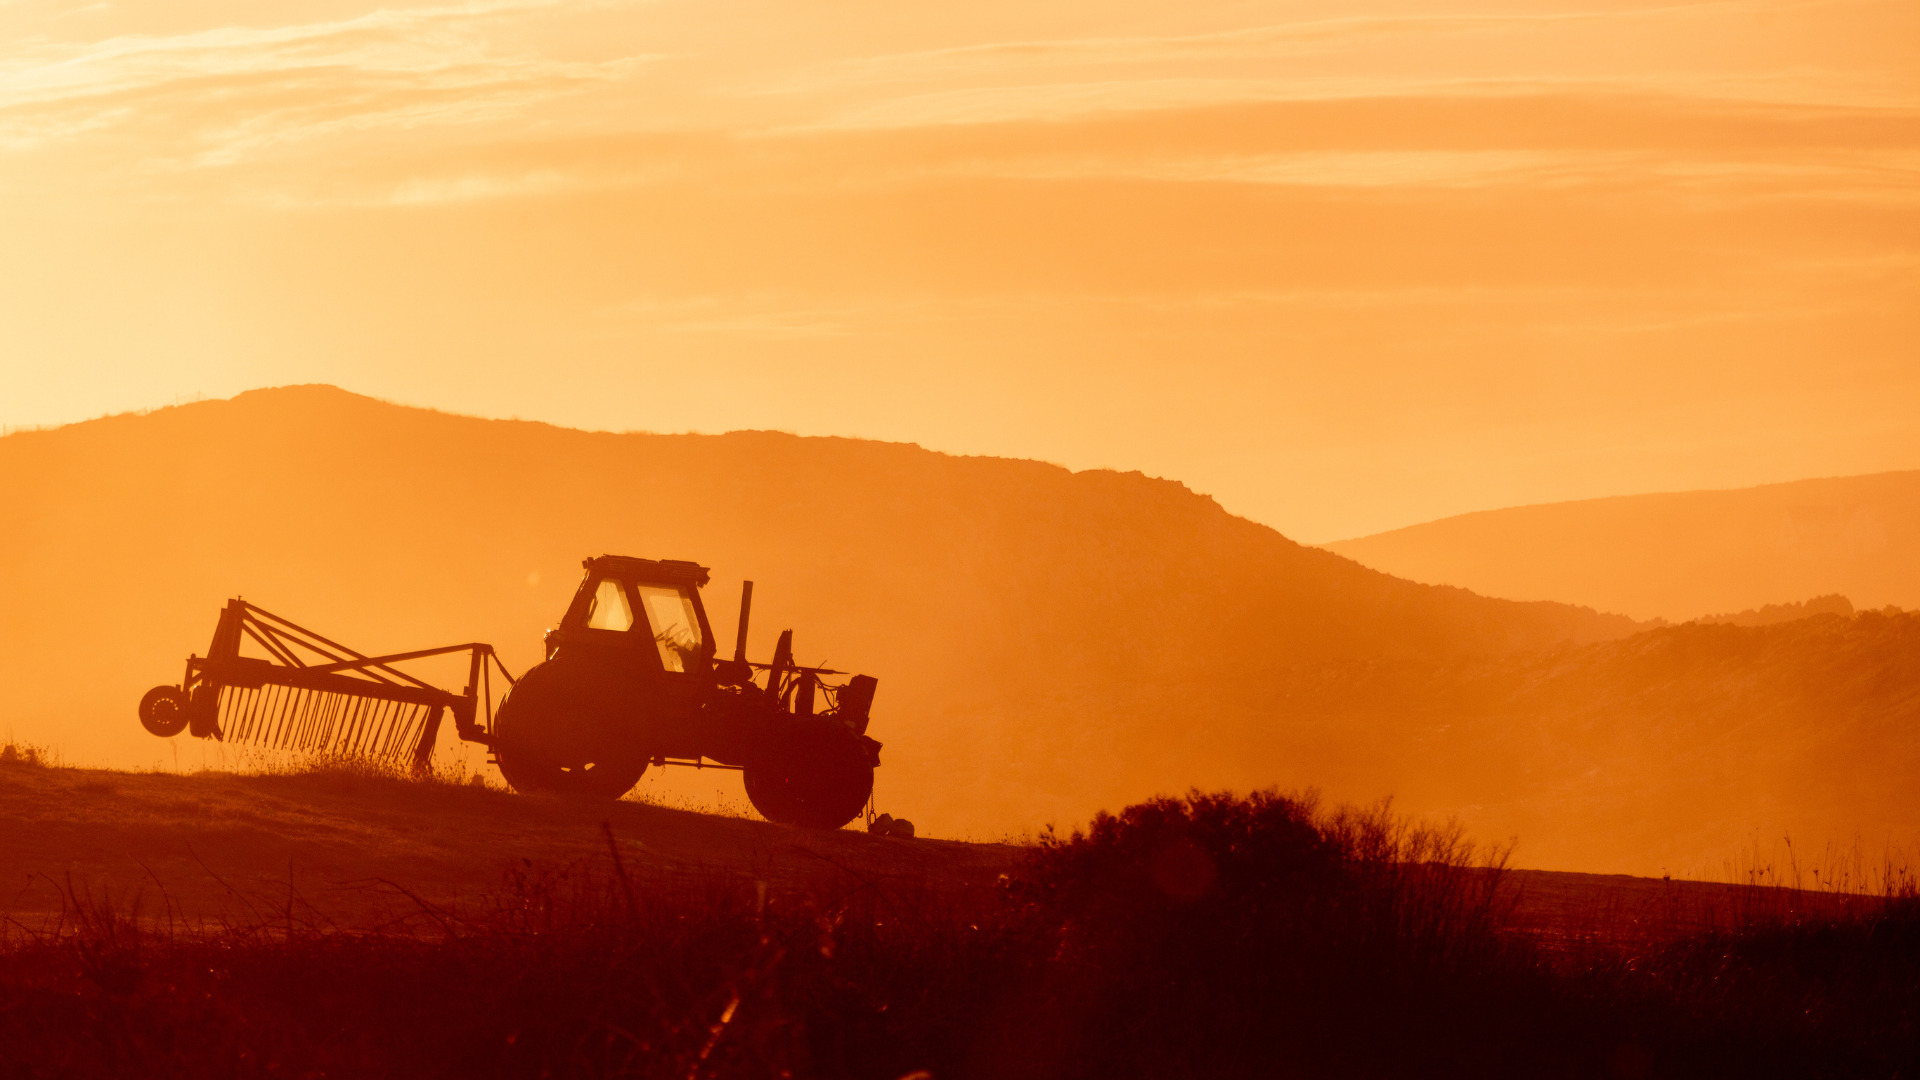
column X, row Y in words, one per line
column 822, row 783
column 564, row 734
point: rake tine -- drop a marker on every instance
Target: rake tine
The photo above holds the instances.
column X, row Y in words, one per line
column 365, row 724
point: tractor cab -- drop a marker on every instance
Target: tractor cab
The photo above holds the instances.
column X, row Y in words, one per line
column 646, row 611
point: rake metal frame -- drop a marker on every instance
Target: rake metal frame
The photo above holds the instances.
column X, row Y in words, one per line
column 340, row 670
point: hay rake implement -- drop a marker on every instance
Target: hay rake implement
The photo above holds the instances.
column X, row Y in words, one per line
column 313, row 695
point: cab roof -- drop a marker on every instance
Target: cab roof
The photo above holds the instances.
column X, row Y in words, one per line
column 652, row 571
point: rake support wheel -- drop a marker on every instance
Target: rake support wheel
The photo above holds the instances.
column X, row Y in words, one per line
column 163, row 711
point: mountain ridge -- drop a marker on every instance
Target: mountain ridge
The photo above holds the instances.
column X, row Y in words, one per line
column 1049, row 643
column 1678, row 555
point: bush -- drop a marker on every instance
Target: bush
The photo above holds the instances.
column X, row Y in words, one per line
column 1219, row 935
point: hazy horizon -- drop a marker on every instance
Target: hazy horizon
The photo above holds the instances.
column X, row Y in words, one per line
column 1343, row 267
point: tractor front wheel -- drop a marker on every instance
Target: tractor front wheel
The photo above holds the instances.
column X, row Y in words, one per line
column 821, row 784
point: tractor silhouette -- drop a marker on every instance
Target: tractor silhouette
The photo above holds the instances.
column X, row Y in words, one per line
column 630, row 680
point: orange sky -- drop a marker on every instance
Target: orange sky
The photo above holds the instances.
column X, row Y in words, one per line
column 1345, row 266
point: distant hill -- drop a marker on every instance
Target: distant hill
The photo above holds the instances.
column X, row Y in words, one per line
column 1678, row 555
column 1687, row 746
column 1048, row 643
column 1769, row 614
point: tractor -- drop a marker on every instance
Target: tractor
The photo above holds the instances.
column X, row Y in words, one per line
column 630, row 679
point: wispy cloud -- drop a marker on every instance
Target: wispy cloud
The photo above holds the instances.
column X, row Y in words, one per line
column 1058, row 101
column 225, row 92
column 1358, row 55
column 381, row 108
column 1275, row 41
column 404, row 39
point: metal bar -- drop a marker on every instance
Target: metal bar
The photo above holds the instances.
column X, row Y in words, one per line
column 795, row 668
column 267, row 616
column 379, row 722
column 373, row 717
column 352, row 656
column 746, row 610
column 333, row 662
column 280, row 652
column 241, row 729
column 375, row 723
column 277, row 701
column 233, row 713
column 337, row 718
column 296, row 705
column 315, row 720
column 401, row 736
column 383, row 661
column 286, row 632
column 381, row 734
column 354, row 723
column 226, row 633
column 429, row 734
column 269, row 714
column 248, row 671
column 404, row 737
column 695, row 763
column 256, row 713
column 782, row 661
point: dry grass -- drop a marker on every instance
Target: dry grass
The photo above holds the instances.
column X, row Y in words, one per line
column 25, row 755
column 1205, row 936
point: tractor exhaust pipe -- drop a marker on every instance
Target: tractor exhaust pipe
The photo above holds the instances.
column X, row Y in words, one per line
column 746, row 610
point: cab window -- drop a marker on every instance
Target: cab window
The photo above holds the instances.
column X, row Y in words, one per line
column 676, row 629
column 609, row 609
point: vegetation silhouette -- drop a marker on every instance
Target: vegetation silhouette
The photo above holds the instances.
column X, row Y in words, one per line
column 1208, row 935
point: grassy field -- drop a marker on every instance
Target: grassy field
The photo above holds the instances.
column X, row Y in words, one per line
column 331, row 923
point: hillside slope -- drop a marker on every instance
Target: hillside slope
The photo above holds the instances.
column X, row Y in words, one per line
column 1045, row 640
column 336, row 848
column 1678, row 555
column 1687, row 746
column 1048, row 643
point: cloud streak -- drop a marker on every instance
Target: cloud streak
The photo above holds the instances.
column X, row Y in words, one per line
column 230, row 92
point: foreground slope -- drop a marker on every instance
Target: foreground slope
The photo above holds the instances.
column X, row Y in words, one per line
column 327, row 848
column 1678, row 555
column 355, row 849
